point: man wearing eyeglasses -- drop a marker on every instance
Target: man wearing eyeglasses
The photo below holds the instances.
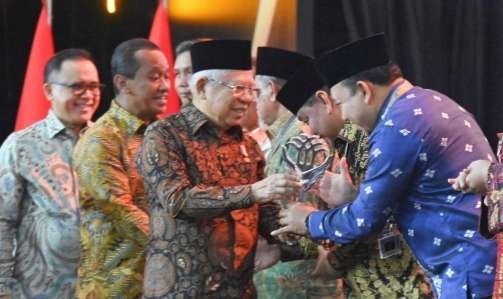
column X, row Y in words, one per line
column 205, row 182
column 114, row 214
column 39, row 207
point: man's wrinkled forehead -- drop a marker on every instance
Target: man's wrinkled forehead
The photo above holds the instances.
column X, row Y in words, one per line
column 235, row 76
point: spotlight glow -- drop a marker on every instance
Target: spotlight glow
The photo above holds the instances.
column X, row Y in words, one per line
column 111, row 8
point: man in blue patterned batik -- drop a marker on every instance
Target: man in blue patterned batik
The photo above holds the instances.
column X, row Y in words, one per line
column 418, row 139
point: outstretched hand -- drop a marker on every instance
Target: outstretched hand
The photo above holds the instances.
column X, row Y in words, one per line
column 337, row 188
column 323, row 269
column 276, row 186
column 266, row 254
column 472, row 179
column 293, row 219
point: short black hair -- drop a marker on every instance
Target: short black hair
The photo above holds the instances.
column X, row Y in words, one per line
column 55, row 62
column 312, row 99
column 123, row 60
column 186, row 44
column 381, row 75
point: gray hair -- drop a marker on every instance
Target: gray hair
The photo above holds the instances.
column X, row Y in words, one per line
column 263, row 79
column 213, row 73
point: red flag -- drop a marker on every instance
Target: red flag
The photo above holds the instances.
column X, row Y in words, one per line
column 33, row 105
column 160, row 34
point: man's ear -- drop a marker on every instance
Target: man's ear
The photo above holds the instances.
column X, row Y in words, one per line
column 367, row 88
column 48, row 91
column 200, row 84
column 325, row 99
column 120, row 82
column 274, row 89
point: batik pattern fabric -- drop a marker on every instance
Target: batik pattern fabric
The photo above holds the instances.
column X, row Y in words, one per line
column 493, row 217
column 114, row 208
column 291, row 279
column 284, row 128
column 364, row 273
column 353, row 144
column 419, row 141
column 204, row 220
column 39, row 212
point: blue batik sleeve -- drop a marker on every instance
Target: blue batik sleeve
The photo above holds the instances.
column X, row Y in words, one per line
column 392, row 160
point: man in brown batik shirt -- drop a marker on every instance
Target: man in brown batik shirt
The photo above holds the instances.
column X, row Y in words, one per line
column 203, row 175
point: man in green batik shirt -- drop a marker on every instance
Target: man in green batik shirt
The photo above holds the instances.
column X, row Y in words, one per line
column 288, row 278
column 274, row 66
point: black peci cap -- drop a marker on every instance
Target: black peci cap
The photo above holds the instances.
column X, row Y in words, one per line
column 352, row 58
column 221, row 54
column 300, row 87
column 278, row 63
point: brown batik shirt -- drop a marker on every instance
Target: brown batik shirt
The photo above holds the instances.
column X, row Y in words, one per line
column 204, row 222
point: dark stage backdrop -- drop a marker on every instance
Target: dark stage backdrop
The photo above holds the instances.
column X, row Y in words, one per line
column 453, row 46
column 82, row 24
column 76, row 23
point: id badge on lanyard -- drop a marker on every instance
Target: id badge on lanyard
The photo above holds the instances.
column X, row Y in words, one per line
column 389, row 240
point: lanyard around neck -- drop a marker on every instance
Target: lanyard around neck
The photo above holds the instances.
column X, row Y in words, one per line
column 392, row 98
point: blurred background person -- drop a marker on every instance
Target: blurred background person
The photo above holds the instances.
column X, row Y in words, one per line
column 183, row 69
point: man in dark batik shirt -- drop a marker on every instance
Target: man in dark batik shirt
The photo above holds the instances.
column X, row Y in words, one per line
column 203, row 177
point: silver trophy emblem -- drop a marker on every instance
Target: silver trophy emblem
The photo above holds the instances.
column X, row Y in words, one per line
column 309, row 156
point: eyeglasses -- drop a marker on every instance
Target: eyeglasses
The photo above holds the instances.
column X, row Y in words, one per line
column 239, row 89
column 80, row 88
